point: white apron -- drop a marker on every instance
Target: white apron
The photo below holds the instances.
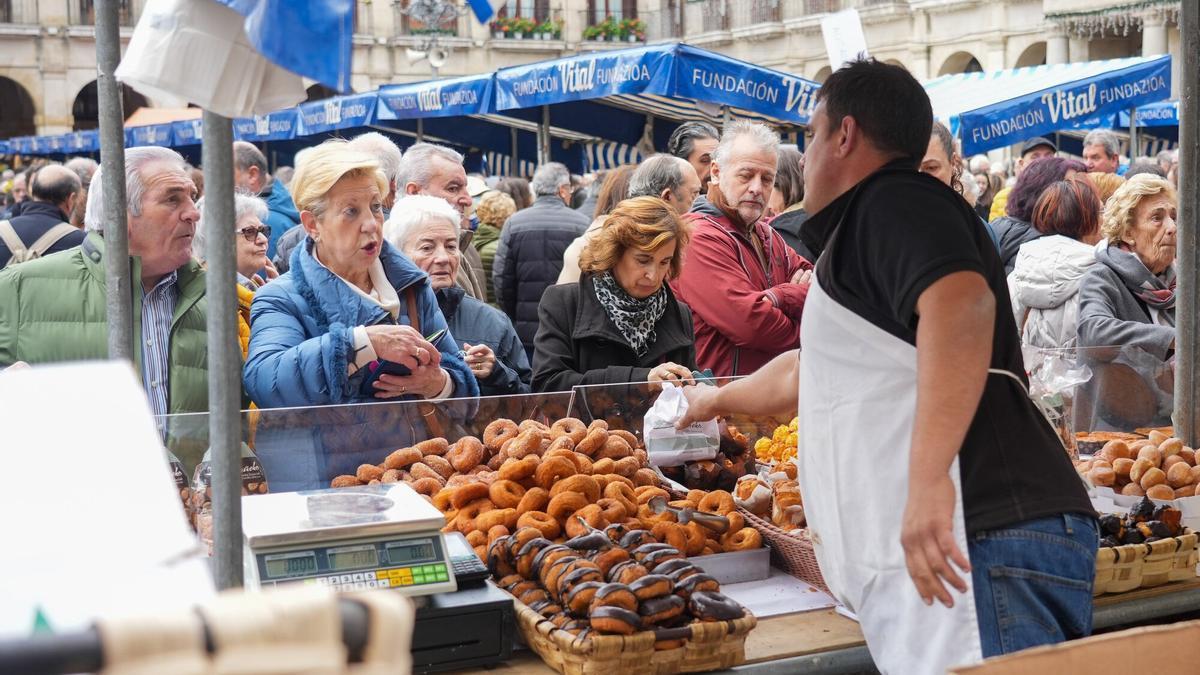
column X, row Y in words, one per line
column 858, row 396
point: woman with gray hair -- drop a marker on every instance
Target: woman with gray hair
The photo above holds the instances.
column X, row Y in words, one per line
column 251, row 243
column 426, row 230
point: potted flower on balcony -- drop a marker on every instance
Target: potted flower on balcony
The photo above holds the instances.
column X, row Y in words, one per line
column 523, row 28
column 593, row 33
column 499, row 28
column 634, row 30
column 547, row 30
column 557, row 29
column 610, row 29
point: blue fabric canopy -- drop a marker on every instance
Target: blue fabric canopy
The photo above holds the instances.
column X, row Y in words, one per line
column 1163, row 114
column 991, row 110
column 451, row 97
column 308, row 37
column 280, row 125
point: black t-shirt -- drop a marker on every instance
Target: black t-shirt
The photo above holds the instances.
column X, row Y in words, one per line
column 881, row 245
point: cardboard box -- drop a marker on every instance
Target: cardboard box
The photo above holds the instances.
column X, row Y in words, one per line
column 1162, row 650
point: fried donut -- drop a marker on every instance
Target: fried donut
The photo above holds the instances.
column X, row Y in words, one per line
column 495, row 461
column 439, row 464
column 569, row 427
column 645, row 477
column 635, row 538
column 593, row 442
column 535, row 425
column 489, row 519
column 697, row 537
column 521, row 587
column 671, row 567
column 615, row 621
column 744, row 539
column 495, row 532
column 476, row 538
column 648, row 492
column 545, row 523
column 624, row 494
column 518, row 469
column 603, row 466
column 535, row 499
column 615, row 531
column 466, row 454
column 582, row 571
column 442, row 501
column 661, row 610
column 509, row 581
column 525, row 555
column 527, row 443
column 506, row 494
column 579, row 597
column 579, row 483
column 672, row 534
column 609, row 558
column 651, row 586
column 345, row 481
column 468, row 493
column 627, row 467
column 522, row 536
column 499, row 431
column 598, row 424
column 614, row 448
column 402, row 458
column 563, row 505
column 612, row 509
column 628, row 436
column 717, row 501
column 627, row 572
column 535, row 595
column 652, row 560
column 421, row 470
column 552, row 470
column 696, row 582
column 547, row 556
column 368, row 472
column 560, row 443
column 614, row 595
column 433, row 446
column 427, row 486
column 499, row 560
column 551, row 572
column 586, row 519
column 713, row 606
column 392, row 476
column 468, row 513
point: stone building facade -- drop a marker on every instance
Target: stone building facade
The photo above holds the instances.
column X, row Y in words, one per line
column 48, row 60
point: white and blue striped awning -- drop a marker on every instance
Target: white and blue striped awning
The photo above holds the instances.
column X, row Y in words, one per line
column 991, row 110
column 605, row 155
column 500, row 164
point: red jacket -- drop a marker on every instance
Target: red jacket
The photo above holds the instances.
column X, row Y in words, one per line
column 743, row 315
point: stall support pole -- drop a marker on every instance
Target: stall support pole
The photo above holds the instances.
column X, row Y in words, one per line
column 420, row 130
column 1187, row 341
column 512, row 169
column 544, row 137
column 119, row 291
column 1134, row 150
column 224, row 354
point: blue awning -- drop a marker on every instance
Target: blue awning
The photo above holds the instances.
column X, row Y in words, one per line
column 280, row 125
column 991, row 110
column 1163, row 114
column 451, row 97
column 150, row 134
column 341, row 112
column 187, row 132
column 676, row 81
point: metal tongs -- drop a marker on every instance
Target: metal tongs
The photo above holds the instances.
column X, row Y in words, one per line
column 686, row 514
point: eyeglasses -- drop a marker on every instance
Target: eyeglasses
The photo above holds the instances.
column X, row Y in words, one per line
column 251, row 233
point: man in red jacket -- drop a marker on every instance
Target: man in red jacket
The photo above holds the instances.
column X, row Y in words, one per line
column 744, row 284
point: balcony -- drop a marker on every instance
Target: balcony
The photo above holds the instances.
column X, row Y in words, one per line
column 415, row 23
column 663, row 25
column 19, row 12
column 83, row 12
column 617, row 30
column 755, row 12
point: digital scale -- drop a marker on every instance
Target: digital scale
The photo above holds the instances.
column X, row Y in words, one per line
column 376, row 536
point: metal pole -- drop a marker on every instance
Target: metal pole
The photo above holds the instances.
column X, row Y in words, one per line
column 119, row 291
column 1134, row 150
column 544, row 136
column 224, row 354
column 1187, row 341
column 512, row 167
column 420, row 130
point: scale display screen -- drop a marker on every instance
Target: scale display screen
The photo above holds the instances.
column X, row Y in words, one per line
column 353, row 557
column 403, row 553
column 298, row 564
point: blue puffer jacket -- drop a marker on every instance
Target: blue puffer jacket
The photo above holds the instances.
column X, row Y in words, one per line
column 301, row 333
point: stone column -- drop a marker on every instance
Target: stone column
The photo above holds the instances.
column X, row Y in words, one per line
column 1154, row 34
column 995, row 55
column 1057, row 47
column 919, row 46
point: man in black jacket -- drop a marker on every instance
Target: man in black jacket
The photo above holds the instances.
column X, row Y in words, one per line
column 55, row 191
column 530, row 255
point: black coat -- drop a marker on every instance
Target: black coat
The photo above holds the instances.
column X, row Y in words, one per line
column 788, row 224
column 34, row 220
column 529, row 258
column 577, row 344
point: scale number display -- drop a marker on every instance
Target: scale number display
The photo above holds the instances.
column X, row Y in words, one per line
column 353, row 557
column 407, row 552
column 295, row 564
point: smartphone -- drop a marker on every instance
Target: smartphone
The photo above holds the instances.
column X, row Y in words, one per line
column 377, row 368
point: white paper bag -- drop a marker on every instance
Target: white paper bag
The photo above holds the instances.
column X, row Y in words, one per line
column 668, row 446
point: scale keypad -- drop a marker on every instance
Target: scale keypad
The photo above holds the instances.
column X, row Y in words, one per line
column 397, row 577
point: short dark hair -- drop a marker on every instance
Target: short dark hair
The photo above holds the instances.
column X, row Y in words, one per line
column 1147, row 165
column 1068, row 207
column 789, row 175
column 246, row 155
column 683, row 139
column 54, row 185
column 1033, row 182
column 886, row 101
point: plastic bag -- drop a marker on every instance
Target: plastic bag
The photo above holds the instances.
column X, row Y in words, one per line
column 1053, row 384
column 254, row 482
column 668, row 446
column 183, row 486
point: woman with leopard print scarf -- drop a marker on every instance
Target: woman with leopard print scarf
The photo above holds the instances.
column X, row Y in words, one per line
column 621, row 322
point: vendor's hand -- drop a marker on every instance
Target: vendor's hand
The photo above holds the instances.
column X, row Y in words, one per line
column 403, row 345
column 802, row 277
column 426, row 382
column 702, row 405
column 927, row 536
column 480, row 359
column 670, row 372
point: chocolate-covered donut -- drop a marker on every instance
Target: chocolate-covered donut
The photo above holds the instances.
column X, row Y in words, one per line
column 696, row 582
column 545, row 556
column 651, row 586
column 579, row 598
column 646, row 549
column 578, row 575
column 615, row 595
column 712, row 606
column 670, row 567
column 525, row 555
column 653, row 559
column 627, row 572
column 635, row 538
column 589, row 541
column 662, row 609
column 499, row 557
column 615, row 621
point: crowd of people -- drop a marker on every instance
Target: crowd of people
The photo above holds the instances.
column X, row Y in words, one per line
column 369, row 273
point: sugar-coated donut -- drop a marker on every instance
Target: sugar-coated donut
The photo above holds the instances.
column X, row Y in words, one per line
column 553, row 469
column 593, row 442
column 544, row 522
column 645, row 477
column 439, row 464
column 427, row 486
column 672, row 534
column 612, row 509
column 569, row 427
column 647, row 492
column 629, row 437
column 627, row 467
column 598, row 424
column 506, row 493
column 433, row 446
column 476, row 538
column 717, row 501
column 499, row 431
column 744, row 539
column 489, row 519
column 402, row 458
column 533, row 425
column 584, row 485
column 442, row 499
column 563, row 505
column 615, row 448
column 468, row 493
column 345, row 481
column 421, row 470
column 603, row 466
column 560, row 443
column 466, row 454
column 535, row 499
column 519, row 469
column 586, row 519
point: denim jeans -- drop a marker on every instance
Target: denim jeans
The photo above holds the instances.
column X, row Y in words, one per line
column 1033, row 582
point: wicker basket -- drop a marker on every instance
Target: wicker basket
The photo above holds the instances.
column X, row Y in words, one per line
column 1124, row 568
column 716, row 645
column 794, row 555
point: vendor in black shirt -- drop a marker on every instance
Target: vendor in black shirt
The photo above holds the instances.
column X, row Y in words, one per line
column 927, row 472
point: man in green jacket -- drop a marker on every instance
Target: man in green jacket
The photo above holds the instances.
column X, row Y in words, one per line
column 53, row 309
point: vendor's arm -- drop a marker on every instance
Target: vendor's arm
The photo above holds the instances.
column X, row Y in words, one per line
column 713, row 286
column 771, row 390
column 954, row 347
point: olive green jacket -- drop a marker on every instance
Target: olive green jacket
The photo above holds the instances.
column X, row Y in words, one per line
column 53, row 309
column 487, row 238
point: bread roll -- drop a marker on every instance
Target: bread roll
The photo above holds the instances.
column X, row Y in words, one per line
column 1171, row 446
column 1179, row 474
column 1140, row 466
column 1133, row 490
column 1154, row 455
column 1152, row 477
column 1157, row 437
column 1188, row 455
column 1102, row 476
column 1185, row 491
column 1161, row 491
column 1114, row 450
column 1122, row 466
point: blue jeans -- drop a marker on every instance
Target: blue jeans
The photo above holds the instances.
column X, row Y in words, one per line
column 1033, row 582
